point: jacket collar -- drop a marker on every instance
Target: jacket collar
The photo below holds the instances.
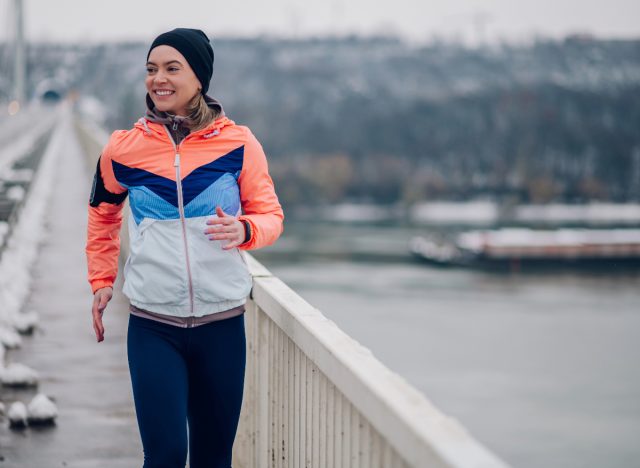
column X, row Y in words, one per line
column 154, row 120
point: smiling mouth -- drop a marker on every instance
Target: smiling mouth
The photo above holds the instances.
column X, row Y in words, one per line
column 163, row 92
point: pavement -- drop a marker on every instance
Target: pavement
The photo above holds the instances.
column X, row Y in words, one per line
column 89, row 381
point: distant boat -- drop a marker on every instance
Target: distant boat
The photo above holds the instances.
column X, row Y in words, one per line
column 513, row 246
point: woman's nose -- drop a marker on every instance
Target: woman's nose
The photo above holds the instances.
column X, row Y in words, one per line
column 160, row 77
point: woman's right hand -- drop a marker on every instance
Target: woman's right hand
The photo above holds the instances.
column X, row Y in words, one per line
column 100, row 299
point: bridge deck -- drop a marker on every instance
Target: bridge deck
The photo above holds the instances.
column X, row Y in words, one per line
column 89, row 381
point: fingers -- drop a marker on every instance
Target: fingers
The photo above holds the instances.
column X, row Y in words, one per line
column 233, row 239
column 222, row 218
column 225, row 227
column 220, row 229
column 100, row 300
column 230, row 236
column 232, row 244
column 234, row 233
column 98, row 327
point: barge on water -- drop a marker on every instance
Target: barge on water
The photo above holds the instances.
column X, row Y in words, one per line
column 512, row 247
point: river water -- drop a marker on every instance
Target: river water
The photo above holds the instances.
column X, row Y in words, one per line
column 540, row 366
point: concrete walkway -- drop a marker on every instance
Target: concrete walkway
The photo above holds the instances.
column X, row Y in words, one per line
column 96, row 425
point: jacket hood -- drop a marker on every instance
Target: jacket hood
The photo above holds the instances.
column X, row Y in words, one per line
column 180, row 125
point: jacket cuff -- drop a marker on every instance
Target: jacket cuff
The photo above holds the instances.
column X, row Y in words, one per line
column 100, row 283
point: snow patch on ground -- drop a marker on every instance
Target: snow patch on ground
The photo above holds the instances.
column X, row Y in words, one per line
column 19, row 375
column 9, row 338
column 17, row 415
column 41, row 410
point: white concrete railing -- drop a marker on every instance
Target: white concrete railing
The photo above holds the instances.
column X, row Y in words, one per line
column 314, row 397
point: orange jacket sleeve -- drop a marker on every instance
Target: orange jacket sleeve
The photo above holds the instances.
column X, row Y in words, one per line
column 260, row 204
column 103, row 229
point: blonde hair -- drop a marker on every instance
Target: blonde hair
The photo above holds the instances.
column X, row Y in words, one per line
column 200, row 114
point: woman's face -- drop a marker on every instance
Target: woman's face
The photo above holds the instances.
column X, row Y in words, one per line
column 170, row 81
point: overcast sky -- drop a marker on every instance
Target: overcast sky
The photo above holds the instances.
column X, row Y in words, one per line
column 417, row 20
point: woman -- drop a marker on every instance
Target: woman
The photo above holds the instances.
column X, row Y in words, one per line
column 199, row 191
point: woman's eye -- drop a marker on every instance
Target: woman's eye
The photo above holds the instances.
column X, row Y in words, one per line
column 150, row 70
column 171, row 69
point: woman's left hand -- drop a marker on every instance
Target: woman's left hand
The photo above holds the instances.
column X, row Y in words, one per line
column 225, row 227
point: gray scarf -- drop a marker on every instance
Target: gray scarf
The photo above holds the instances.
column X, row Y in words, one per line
column 177, row 125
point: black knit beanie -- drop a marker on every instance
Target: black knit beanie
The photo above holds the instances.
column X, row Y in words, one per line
column 196, row 48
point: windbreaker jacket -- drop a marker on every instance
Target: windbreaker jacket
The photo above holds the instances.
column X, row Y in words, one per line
column 173, row 268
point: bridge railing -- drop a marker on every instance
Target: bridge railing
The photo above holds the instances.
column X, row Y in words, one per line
column 22, row 145
column 314, row 397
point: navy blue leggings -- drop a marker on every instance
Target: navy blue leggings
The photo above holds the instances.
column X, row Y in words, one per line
column 187, row 376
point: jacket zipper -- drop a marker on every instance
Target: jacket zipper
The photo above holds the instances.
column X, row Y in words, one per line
column 176, row 164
